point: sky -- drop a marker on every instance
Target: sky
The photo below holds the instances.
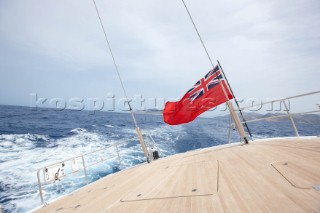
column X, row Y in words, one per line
column 56, row 48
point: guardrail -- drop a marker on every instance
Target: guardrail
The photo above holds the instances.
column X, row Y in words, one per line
column 56, row 171
column 289, row 114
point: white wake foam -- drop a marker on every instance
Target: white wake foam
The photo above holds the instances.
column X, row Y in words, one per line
column 110, row 126
column 22, row 154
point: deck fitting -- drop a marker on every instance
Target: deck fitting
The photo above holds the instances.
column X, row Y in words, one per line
column 317, row 187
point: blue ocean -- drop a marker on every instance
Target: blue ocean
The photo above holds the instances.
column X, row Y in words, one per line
column 32, row 139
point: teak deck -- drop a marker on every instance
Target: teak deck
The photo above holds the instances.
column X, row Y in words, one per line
column 276, row 175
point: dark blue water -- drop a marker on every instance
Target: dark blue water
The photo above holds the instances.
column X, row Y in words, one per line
column 30, row 140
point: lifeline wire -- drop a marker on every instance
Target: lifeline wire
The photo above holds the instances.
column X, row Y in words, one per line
column 114, row 62
column 195, row 27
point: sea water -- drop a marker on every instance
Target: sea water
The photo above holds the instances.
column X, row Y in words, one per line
column 34, row 138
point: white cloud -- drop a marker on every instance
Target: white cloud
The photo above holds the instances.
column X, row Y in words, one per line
column 266, row 47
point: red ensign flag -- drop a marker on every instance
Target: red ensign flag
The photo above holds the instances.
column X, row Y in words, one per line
column 204, row 95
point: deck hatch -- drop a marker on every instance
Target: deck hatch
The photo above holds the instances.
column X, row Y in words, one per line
column 184, row 180
column 300, row 175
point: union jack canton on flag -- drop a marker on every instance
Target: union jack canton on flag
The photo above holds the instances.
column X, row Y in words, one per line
column 210, row 80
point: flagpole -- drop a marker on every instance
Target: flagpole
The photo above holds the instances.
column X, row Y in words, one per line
column 234, row 115
column 235, row 99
